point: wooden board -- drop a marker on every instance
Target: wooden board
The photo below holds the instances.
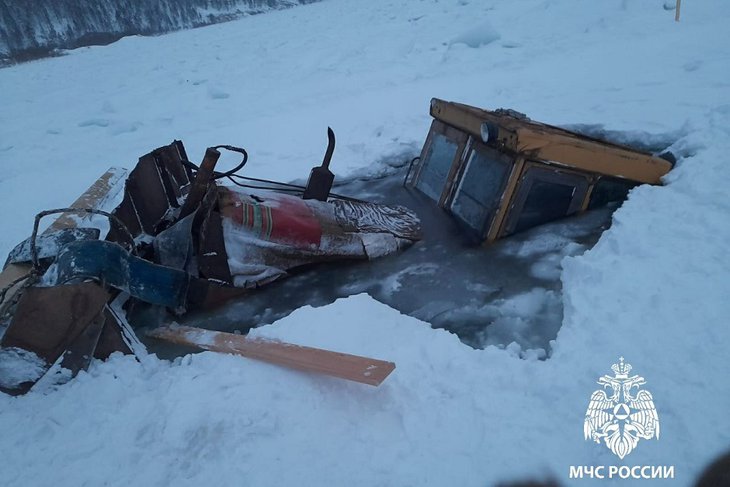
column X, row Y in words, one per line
column 345, row 366
column 103, row 189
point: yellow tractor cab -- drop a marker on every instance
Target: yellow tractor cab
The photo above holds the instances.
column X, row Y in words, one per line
column 498, row 172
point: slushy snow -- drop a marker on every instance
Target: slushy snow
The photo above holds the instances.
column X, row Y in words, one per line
column 653, row 290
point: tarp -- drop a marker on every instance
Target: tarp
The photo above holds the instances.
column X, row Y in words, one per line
column 268, row 233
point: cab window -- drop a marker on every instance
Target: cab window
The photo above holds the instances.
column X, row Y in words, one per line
column 545, row 194
column 480, row 189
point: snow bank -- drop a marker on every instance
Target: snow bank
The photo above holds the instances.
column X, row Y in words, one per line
column 447, row 414
column 653, row 290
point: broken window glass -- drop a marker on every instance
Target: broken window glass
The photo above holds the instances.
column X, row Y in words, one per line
column 478, row 194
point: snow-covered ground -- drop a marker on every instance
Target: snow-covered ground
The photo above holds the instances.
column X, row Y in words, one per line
column 654, row 289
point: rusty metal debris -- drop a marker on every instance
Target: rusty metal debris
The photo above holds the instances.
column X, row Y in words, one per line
column 181, row 241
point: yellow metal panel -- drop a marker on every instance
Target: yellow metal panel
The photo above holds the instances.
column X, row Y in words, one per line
column 554, row 145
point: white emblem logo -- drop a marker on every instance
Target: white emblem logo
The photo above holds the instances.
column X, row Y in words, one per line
column 621, row 418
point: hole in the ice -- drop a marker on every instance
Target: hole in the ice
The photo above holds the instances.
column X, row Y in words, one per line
column 506, row 292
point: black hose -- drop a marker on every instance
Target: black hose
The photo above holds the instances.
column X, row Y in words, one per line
column 231, row 174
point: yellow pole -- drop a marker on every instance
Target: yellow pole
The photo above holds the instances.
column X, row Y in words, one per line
column 676, row 14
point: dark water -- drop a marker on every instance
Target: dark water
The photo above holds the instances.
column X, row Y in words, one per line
column 508, row 291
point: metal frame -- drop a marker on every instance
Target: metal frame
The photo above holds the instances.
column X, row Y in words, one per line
column 457, row 136
column 505, row 203
column 473, row 148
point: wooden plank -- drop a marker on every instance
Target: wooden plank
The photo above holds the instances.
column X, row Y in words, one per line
column 94, row 197
column 345, row 366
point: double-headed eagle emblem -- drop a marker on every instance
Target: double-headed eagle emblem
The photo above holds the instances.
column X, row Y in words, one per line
column 622, row 416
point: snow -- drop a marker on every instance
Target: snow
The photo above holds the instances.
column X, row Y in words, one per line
column 478, row 36
column 18, row 366
column 654, row 289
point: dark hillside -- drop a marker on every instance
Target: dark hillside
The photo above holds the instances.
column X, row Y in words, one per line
column 35, row 28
